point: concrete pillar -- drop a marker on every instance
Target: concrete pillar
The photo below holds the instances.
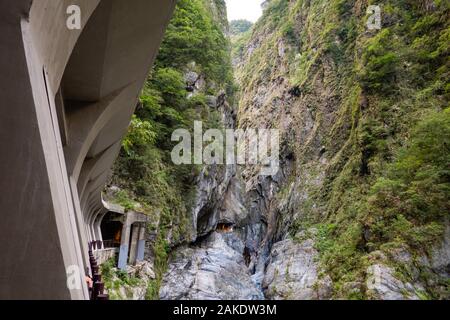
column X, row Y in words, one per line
column 47, row 147
column 123, row 251
column 134, row 243
column 84, row 239
column 141, row 243
column 94, row 238
column 88, row 233
column 97, row 227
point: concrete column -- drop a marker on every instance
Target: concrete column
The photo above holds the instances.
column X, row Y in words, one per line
column 88, row 232
column 84, row 239
column 134, row 243
column 94, row 238
column 141, row 243
column 123, row 251
column 97, row 227
column 38, row 250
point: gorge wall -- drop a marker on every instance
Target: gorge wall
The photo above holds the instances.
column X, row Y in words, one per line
column 359, row 208
column 73, row 93
column 363, row 124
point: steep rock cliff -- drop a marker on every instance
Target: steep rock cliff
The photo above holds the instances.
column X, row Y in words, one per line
column 359, row 207
column 355, row 109
column 191, row 81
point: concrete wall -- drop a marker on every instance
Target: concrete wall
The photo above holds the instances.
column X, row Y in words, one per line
column 66, row 99
column 133, row 232
column 104, row 255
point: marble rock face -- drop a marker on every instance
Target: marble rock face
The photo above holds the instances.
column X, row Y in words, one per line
column 212, row 271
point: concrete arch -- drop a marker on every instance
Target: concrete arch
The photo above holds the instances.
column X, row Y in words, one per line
column 92, row 223
column 29, row 43
column 55, row 42
column 94, row 186
column 85, row 124
column 92, row 198
column 98, row 221
column 95, row 166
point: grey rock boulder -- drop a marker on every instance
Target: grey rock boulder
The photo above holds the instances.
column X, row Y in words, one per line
column 440, row 257
column 293, row 273
column 211, row 101
column 191, row 78
column 382, row 284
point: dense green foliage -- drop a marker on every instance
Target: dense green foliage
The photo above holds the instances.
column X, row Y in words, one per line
column 396, row 177
column 193, row 35
column 239, row 43
column 239, row 26
column 194, row 42
column 407, row 203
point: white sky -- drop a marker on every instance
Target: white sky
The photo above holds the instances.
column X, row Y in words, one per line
column 244, row 9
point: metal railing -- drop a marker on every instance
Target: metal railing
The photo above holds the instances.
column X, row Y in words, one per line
column 107, row 244
column 96, row 292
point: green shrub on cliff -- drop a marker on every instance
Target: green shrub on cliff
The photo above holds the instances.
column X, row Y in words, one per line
column 193, row 35
column 413, row 198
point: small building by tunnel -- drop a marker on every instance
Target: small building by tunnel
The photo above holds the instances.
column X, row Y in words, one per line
column 123, row 236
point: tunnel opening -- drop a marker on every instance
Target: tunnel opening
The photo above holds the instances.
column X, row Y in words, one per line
column 111, row 229
column 225, row 227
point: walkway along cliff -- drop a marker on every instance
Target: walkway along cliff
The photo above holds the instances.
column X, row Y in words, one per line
column 360, row 206
column 66, row 98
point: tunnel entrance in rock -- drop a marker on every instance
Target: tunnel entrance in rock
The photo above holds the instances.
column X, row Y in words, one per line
column 111, row 229
column 205, row 222
column 225, row 227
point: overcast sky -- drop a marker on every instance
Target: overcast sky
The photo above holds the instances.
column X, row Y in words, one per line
column 244, row 9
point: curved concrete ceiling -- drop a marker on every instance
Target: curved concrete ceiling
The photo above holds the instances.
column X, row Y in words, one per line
column 61, row 151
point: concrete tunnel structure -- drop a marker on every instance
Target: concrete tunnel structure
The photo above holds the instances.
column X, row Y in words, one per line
column 67, row 97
